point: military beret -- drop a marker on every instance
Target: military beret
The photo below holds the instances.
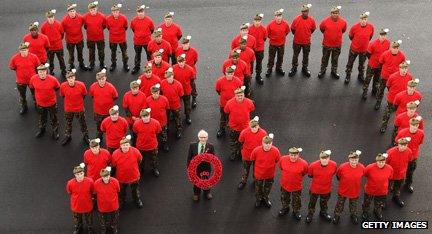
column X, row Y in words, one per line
column 181, row 58
column 71, row 7
column 145, row 112
column 169, row 15
column 364, row 15
column 105, row 172
column 295, row 150
column 126, row 139
column 114, row 110
column 94, row 142
column 325, row 154
column 413, row 83
column 148, row 67
column 412, row 105
column 155, row 88
column 141, row 8
column 268, row 139
column 158, row 53
column 24, row 45
column 79, row 168
column 70, row 73
column 236, row 54
column 50, row 13
column 336, row 9
column 93, row 5
column 34, row 26
column 244, row 26
column 254, row 122
column 404, row 64
column 381, row 157
column 404, row 140
column 230, row 69
column 43, row 67
column 396, row 44
column 157, row 32
column 135, row 84
column 101, row 74
column 240, row 90
column 355, row 154
column 416, row 120
column 306, row 7
column 384, row 31
column 169, row 72
column 279, row 12
column 259, row 16
column 116, row 7
column 186, row 39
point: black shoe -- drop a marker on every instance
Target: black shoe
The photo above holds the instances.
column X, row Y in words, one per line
column 23, row 110
column 156, row 172
column 354, row 219
column 377, row 105
column 83, row 67
column 259, row 79
column 365, row 216
column 335, row 75
column 194, row 103
column 66, row 140
column 115, row 231
column 267, row 203
column 166, row 147
column 77, row 230
column 86, row 139
column 40, row 132
column 241, row 185
column 178, row 135
column 135, row 70
column 280, row 72
column 297, row 216
column 321, row 74
column 383, row 129
column 257, row 203
column 113, row 67
column 409, row 188
column 292, row 72
column 398, row 201
column 188, row 120
column 220, row 133
column 347, row 78
column 378, row 217
column 139, row 204
column 91, row 67
column 283, row 212
column 55, row 135
column 306, row 72
column 364, row 95
column 102, row 66
column 126, row 68
column 71, row 66
column 308, row 218
column 268, row 73
column 326, row 216
column 336, row 219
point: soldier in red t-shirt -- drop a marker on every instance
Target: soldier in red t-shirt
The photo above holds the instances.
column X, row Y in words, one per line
column 173, row 91
column 117, row 24
column 38, row 42
column 402, row 120
column 115, row 128
column 185, row 74
column 96, row 159
column 191, row 60
column 133, row 102
column 142, row 27
column 259, row 31
column 171, row 32
column 94, row 24
column 106, row 190
column 277, row 31
column 159, row 105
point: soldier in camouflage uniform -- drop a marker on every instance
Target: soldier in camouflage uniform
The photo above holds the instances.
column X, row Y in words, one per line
column 411, row 108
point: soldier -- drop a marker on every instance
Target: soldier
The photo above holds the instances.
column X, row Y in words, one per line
column 148, row 79
column 277, row 31
column 142, row 26
column 248, row 56
column 360, row 34
column 373, row 71
column 259, row 31
column 147, row 130
column 191, row 60
column 107, row 191
column 117, row 24
column 44, row 87
column 350, row 176
column 133, row 102
column 333, row 27
column 238, row 110
column 241, row 71
column 225, row 87
column 417, row 138
column 157, row 43
column 389, row 61
column 38, row 43
column 159, row 67
column 53, row 29
column 96, row 159
column 104, row 94
column 302, row 27
column 265, row 158
column 95, row 24
column 171, row 32
column 185, row 74
column 244, row 32
column 398, row 158
column 81, row 190
column 126, row 161
column 115, row 128
column 377, row 176
column 159, row 105
column 293, row 169
column 404, row 97
column 74, row 93
column 173, row 91
column 72, row 24
column 24, row 64
column 402, row 120
column 250, row 138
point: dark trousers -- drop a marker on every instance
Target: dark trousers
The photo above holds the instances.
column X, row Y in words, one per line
column 353, row 203
column 378, row 203
column 187, row 105
column 291, row 197
column 296, row 51
column 69, row 116
column 123, row 49
column 197, row 190
column 138, row 50
column 273, row 50
column 372, row 74
column 326, row 53
column 396, row 187
column 259, row 56
column 247, row 84
column 91, row 45
column 223, row 119
column 246, row 166
column 381, row 89
column 163, row 136
column 98, row 119
column 60, row 58
column 194, row 90
column 22, row 94
column 173, row 58
column 109, row 220
column 389, row 110
column 235, row 145
column 352, row 55
column 177, row 119
column 79, row 218
column 43, row 117
column 263, row 188
column 71, row 50
column 412, row 165
column 134, row 190
column 150, row 155
column 313, row 198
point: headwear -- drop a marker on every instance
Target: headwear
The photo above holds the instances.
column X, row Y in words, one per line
column 381, row 157
column 364, row 15
column 396, row 44
column 101, row 74
column 70, row 73
column 186, row 39
column 325, row 154
column 413, row 105
column 244, row 26
column 230, row 69
column 141, row 8
column 355, row 154
column 294, row 150
column 155, row 88
column 71, row 7
column 416, row 120
column 126, row 139
column 404, row 64
column 240, row 90
column 158, row 53
column 145, row 112
column 24, row 45
column 384, row 31
column 157, row 32
column 236, row 54
column 336, row 9
column 50, row 13
column 279, row 12
column 105, row 172
column 169, row 72
column 135, row 84
column 114, row 110
column 413, row 83
column 93, row 5
column 148, row 67
column 94, row 142
column 116, row 7
column 268, row 139
column 259, row 16
column 79, row 168
column 169, row 15
column 43, row 67
column 404, row 140
column 254, row 122
column 181, row 58
column 34, row 26
column 306, row 7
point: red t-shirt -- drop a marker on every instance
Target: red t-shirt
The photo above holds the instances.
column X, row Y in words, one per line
column 95, row 25
column 117, row 28
column 24, row 67
column 38, row 46
column 159, row 108
column 247, row 55
column 153, row 46
column 172, row 34
column 241, row 71
column 107, row 194
column 134, row 104
column 399, row 162
column 397, row 83
column 292, row 173
column 45, row 90
column 260, row 34
column 239, row 113
column 80, row 195
column 127, row 165
column 73, row 28
column 225, row 88
column 173, row 92
column 114, row 131
column 277, row 32
column 73, row 96
column 96, row 162
column 376, row 48
column 417, row 139
column 55, row 34
column 160, row 69
column 390, row 63
column 403, row 98
column 142, row 29
column 350, row 180
column 185, row 76
column 191, row 56
column 302, row 29
column 402, row 121
column 250, row 141
column 333, row 31
column 147, row 83
column 377, row 179
column 322, row 177
column 147, row 134
column 103, row 97
column 250, row 42
column 265, row 162
column 360, row 37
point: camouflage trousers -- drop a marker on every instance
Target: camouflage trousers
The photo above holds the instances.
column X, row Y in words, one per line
column 389, row 110
column 60, row 58
column 235, row 145
column 352, row 56
column 43, row 117
column 412, row 165
column 187, row 105
column 381, row 89
column 163, row 136
column 98, row 119
column 280, row 50
column 79, row 218
column 396, row 187
column 313, row 198
column 71, row 50
column 123, row 49
column 394, row 134
column 246, row 165
column 296, row 52
column 194, row 90
column 263, row 188
column 259, row 55
column 223, row 118
column 372, row 74
column 134, row 190
column 177, row 119
column 326, row 53
column 109, row 220
column 353, row 203
column 247, row 84
column 69, row 116
column 150, row 155
column 378, row 203
column 291, row 197
column 22, row 94
column 100, row 45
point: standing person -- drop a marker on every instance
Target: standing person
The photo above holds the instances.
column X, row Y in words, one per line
column 244, row 33
column 373, row 71
column 185, row 74
column 115, row 128
column 80, row 190
column 259, row 31
column 293, row 169
column 265, row 158
column 350, row 175
column 360, row 34
column 248, row 56
column 201, row 146
column 133, row 102
column 96, row 159
column 173, row 91
column 38, row 43
column 45, row 87
column 377, row 176
column 148, row 79
column 159, row 66
column 72, row 24
column 302, row 27
column 411, row 94
column 321, row 172
column 95, row 24
column 158, row 43
column 241, row 71
column 277, row 31
column 106, row 190
column 159, row 105
column 142, row 26
column 402, row 120
column 333, row 27
column 117, row 24
column 171, row 32
column 191, row 57
column 53, row 29
column 24, row 64
column 74, row 93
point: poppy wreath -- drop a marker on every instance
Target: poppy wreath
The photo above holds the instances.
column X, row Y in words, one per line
column 196, row 179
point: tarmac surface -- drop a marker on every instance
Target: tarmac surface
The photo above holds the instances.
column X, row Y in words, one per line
column 309, row 113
